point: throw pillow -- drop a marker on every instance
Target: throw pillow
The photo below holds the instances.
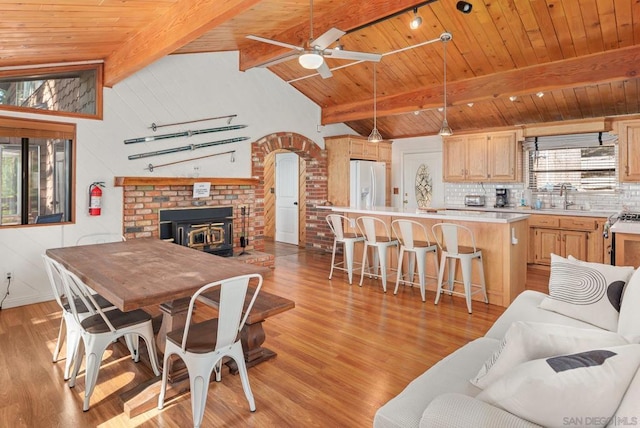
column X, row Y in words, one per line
column 557, row 390
column 589, row 292
column 525, row 341
column 629, row 320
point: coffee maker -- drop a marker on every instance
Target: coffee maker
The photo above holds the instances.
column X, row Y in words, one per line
column 502, row 198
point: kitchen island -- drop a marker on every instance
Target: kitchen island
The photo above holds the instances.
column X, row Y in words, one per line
column 502, row 237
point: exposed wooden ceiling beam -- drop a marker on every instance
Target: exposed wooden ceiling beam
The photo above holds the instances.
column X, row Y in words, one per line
column 610, row 66
column 344, row 16
column 184, row 22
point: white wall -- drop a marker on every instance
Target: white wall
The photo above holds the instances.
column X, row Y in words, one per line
column 174, row 89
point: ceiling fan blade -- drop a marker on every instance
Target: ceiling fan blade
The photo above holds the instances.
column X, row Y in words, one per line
column 327, row 38
column 324, row 71
column 356, row 56
column 274, row 42
column 277, row 60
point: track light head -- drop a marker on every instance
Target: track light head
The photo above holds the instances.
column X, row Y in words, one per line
column 464, row 7
column 416, row 21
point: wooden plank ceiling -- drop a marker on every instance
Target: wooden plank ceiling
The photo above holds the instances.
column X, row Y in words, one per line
column 584, row 55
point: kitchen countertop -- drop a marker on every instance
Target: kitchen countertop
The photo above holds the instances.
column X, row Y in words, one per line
column 529, row 210
column 480, row 216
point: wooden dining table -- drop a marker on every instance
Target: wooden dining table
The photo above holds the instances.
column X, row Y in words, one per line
column 141, row 273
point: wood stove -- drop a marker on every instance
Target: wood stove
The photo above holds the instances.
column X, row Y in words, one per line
column 205, row 229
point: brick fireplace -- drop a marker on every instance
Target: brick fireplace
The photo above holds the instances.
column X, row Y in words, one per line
column 145, row 197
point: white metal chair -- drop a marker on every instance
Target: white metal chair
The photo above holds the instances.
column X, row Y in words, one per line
column 100, row 329
column 336, row 223
column 376, row 234
column 406, row 231
column 452, row 251
column 202, row 346
column 68, row 323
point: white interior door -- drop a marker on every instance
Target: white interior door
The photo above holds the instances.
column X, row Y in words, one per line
column 287, row 198
column 411, row 163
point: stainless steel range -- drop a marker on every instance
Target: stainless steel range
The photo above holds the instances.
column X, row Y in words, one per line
column 626, row 240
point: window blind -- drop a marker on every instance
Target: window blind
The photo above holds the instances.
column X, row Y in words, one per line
column 584, row 162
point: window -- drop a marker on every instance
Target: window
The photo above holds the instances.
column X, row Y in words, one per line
column 585, row 163
column 35, row 171
column 70, row 90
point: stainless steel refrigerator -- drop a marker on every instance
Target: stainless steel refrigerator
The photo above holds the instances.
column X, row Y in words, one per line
column 368, row 183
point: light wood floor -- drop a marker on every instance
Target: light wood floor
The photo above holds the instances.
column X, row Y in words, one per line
column 342, row 353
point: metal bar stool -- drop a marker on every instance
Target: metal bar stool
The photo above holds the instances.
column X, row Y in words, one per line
column 451, row 252
column 336, row 224
column 406, row 231
column 370, row 227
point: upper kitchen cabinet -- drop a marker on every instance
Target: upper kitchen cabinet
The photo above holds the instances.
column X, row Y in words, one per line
column 487, row 157
column 341, row 150
column 629, row 150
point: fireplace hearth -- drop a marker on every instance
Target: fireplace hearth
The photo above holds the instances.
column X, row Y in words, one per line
column 205, row 229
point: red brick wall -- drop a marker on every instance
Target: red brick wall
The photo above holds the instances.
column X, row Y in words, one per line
column 142, row 203
column 318, row 234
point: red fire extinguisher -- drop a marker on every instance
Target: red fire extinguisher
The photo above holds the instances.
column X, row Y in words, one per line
column 95, row 198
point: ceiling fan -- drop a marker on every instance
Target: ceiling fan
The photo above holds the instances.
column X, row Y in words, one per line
column 312, row 55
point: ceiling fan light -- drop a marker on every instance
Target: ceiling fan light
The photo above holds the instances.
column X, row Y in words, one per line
column 375, row 136
column 311, row 60
column 445, row 131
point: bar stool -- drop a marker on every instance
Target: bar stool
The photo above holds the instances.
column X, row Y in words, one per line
column 348, row 240
column 451, row 252
column 406, row 231
column 369, row 227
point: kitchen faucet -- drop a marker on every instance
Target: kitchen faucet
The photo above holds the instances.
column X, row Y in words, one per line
column 565, row 202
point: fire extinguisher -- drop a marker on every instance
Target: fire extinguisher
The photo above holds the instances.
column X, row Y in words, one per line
column 95, row 198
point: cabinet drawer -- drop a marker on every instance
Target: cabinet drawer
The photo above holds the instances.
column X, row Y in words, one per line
column 544, row 221
column 576, row 223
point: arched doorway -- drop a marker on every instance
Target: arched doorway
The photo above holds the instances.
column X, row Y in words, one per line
column 314, row 231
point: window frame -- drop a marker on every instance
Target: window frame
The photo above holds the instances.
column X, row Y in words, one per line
column 51, row 72
column 33, row 128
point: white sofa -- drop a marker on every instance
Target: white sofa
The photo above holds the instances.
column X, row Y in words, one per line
column 443, row 396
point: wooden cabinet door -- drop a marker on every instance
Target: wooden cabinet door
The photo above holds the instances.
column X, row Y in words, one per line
column 356, row 149
column 502, row 156
column 384, row 152
column 454, row 159
column 547, row 241
column 629, row 145
column 477, row 167
column 574, row 243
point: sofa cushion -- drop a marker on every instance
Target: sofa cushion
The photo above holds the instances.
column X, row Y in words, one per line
column 548, row 391
column 525, row 308
column 460, row 411
column 629, row 320
column 628, row 413
column 527, row 341
column 451, row 374
column 590, row 292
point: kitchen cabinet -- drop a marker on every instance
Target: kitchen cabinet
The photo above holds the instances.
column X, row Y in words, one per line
column 341, row 150
column 580, row 237
column 487, row 157
column 629, row 150
column 627, row 249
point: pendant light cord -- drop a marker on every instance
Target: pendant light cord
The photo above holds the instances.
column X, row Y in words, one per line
column 445, row 80
column 375, row 98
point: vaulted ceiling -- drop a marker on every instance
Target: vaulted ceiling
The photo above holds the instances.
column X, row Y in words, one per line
column 583, row 55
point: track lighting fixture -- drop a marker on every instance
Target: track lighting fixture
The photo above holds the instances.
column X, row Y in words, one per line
column 540, row 94
column 464, row 7
column 512, row 98
column 416, row 21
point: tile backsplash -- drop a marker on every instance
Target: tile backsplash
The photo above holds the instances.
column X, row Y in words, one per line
column 626, row 198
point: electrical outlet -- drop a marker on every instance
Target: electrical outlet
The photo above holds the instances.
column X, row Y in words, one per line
column 9, row 275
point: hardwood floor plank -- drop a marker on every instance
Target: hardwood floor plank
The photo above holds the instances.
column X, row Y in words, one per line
column 343, row 351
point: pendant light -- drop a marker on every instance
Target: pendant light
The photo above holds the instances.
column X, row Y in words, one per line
column 445, row 130
column 375, row 136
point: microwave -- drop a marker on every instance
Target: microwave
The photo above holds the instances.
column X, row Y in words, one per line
column 474, row 201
